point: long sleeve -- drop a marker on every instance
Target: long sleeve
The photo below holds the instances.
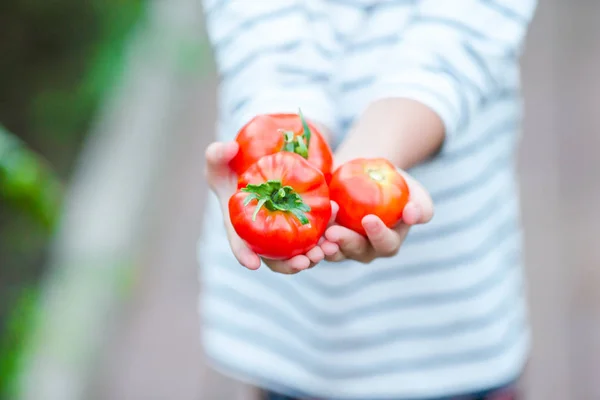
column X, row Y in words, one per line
column 454, row 56
column 271, row 57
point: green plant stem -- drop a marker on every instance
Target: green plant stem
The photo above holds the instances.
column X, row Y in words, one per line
column 275, row 197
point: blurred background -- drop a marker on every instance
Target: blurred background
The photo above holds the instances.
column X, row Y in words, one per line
column 106, row 107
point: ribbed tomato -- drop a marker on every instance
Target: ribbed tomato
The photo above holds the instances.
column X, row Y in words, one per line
column 281, row 207
column 368, row 186
column 271, row 133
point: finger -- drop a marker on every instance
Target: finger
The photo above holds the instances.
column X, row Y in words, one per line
column 412, row 214
column 329, row 248
column 244, row 255
column 420, row 198
column 402, row 231
column 297, row 263
column 334, row 210
column 315, row 255
column 219, row 154
column 385, row 241
column 219, row 176
column 290, row 266
column 336, row 257
column 352, row 244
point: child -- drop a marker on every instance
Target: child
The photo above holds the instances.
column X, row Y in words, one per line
column 439, row 311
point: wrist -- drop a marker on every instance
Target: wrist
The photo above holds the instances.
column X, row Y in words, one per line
column 404, row 131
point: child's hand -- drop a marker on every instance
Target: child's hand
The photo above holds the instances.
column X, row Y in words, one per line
column 381, row 241
column 223, row 182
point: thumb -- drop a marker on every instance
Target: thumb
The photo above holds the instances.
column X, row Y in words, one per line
column 218, row 155
column 384, row 240
column 221, row 179
column 419, row 209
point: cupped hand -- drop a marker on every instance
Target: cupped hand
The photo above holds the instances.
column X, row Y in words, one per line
column 380, row 241
column 223, row 182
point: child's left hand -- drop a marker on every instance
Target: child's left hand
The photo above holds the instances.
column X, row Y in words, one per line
column 381, row 241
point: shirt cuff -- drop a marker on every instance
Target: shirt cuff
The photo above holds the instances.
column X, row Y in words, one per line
column 434, row 90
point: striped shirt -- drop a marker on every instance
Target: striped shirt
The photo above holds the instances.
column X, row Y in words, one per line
column 448, row 314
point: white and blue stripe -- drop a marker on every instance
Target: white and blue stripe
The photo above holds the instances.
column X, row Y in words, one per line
column 448, row 314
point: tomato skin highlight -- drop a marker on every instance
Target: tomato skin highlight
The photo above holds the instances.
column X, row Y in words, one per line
column 368, row 186
column 273, row 233
column 263, row 135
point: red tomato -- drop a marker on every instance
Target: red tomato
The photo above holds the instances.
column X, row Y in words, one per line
column 281, row 208
column 272, row 133
column 368, row 186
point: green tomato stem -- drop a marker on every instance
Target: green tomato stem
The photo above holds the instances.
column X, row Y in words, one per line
column 275, row 197
column 297, row 143
column 307, row 133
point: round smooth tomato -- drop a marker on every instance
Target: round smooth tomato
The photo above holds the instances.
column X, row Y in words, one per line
column 271, row 133
column 368, row 186
column 281, row 207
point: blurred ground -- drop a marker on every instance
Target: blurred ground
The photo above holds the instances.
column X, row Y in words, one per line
column 158, row 356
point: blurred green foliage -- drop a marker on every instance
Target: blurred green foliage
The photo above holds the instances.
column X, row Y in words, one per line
column 21, row 319
column 58, row 59
column 27, row 181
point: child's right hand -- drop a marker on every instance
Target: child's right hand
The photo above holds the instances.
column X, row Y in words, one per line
column 223, row 182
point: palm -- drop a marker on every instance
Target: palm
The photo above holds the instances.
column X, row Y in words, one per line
column 223, row 182
column 381, row 241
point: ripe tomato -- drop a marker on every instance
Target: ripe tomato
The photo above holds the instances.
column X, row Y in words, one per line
column 368, row 186
column 281, row 207
column 272, row 133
